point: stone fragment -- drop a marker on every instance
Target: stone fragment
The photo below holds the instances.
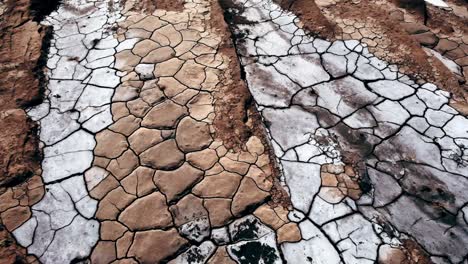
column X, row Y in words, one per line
column 176, row 182
column 163, row 156
column 192, row 135
column 164, row 115
column 148, row 212
column 110, row 144
column 222, row 185
column 156, row 245
column 248, row 196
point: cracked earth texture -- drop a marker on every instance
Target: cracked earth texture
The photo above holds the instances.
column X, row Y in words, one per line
column 135, row 169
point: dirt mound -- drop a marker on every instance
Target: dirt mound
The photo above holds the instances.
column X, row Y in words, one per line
column 23, row 47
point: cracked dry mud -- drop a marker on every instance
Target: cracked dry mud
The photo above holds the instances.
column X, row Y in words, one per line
column 153, row 150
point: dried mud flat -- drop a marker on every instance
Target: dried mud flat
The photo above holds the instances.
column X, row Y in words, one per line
column 245, row 131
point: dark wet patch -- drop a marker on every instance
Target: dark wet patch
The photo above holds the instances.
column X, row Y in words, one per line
column 38, row 70
column 78, row 261
column 247, row 230
column 414, row 6
column 194, row 255
column 365, row 183
column 447, row 218
column 230, row 12
column 421, row 182
column 17, row 179
column 358, row 145
column 42, row 8
column 254, row 253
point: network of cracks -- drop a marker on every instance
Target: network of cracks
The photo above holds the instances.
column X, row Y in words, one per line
column 374, row 162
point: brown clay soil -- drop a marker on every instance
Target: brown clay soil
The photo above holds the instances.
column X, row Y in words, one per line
column 237, row 118
column 21, row 52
